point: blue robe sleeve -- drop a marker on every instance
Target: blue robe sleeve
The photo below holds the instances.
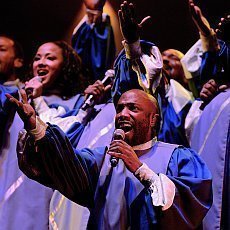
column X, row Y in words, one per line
column 7, row 109
column 53, row 162
column 172, row 129
column 216, row 64
column 192, row 200
column 96, row 46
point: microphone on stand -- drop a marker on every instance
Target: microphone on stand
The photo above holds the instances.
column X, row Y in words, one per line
column 118, row 134
column 109, row 77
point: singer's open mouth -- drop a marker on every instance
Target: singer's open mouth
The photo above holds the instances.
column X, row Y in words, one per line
column 42, row 72
column 125, row 126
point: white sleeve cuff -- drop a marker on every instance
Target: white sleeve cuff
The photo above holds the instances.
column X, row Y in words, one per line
column 40, row 130
column 161, row 187
column 132, row 50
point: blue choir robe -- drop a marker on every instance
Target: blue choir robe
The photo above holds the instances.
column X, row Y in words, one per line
column 211, row 139
column 24, row 202
column 7, row 110
column 172, row 129
column 95, row 45
column 216, row 64
column 78, row 174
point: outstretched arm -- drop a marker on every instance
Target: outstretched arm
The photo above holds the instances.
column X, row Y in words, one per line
column 200, row 21
column 147, row 66
column 46, row 155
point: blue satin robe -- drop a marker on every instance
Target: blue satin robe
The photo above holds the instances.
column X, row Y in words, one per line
column 96, row 47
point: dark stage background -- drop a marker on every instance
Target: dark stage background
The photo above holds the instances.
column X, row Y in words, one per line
column 35, row 21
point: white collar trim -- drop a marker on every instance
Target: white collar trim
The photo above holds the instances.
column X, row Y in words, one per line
column 146, row 145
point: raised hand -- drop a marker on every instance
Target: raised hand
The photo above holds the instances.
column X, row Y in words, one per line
column 223, row 28
column 199, row 20
column 128, row 24
column 94, row 4
column 24, row 109
column 123, row 151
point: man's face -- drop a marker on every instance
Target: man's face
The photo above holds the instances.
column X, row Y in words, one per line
column 48, row 63
column 7, row 56
column 135, row 114
column 172, row 65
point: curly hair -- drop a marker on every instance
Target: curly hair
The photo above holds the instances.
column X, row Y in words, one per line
column 71, row 79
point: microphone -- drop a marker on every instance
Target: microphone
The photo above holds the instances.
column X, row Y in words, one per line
column 29, row 91
column 118, row 134
column 109, row 77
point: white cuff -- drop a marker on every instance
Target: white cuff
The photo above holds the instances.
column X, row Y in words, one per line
column 161, row 187
column 40, row 130
column 132, row 50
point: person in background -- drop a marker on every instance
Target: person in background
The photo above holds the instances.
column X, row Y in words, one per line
column 23, row 202
column 93, row 39
column 56, row 87
column 139, row 66
column 56, row 64
column 11, row 63
column 210, row 135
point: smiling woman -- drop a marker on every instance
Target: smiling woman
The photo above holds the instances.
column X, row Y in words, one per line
column 60, row 70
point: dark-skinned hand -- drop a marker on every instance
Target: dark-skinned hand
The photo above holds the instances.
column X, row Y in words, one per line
column 210, row 90
column 200, row 21
column 128, row 24
column 223, row 28
column 123, row 151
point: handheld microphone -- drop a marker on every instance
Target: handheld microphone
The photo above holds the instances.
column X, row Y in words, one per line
column 109, row 76
column 29, row 91
column 118, row 134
